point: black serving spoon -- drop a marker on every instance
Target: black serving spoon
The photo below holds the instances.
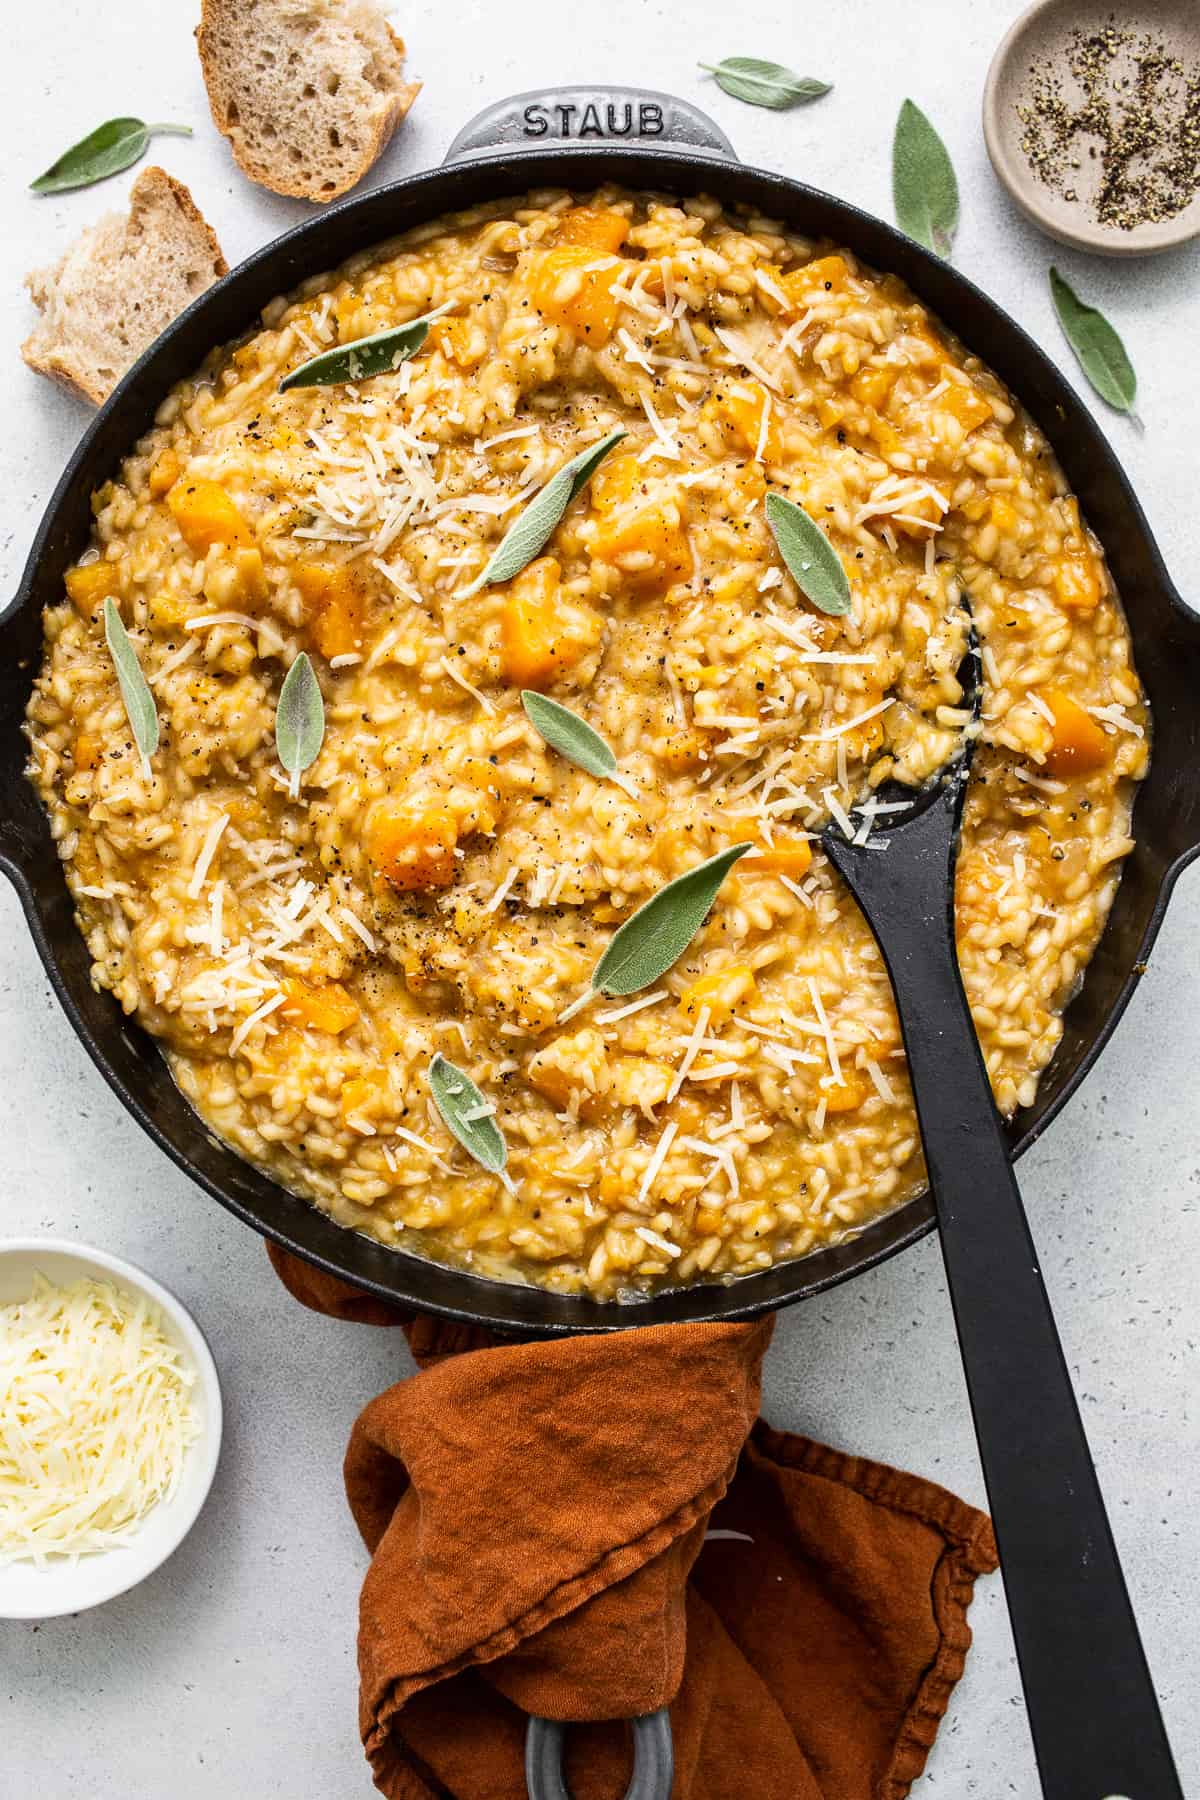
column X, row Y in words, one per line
column 1097, row 1729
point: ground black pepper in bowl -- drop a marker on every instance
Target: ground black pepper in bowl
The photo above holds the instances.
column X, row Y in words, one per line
column 1114, row 121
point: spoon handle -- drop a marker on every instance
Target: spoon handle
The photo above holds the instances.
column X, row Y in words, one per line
column 1097, row 1729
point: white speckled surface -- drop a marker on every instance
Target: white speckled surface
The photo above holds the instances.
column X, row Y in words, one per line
column 231, row 1672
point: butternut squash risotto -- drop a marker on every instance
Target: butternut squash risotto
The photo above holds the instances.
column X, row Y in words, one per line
column 444, row 881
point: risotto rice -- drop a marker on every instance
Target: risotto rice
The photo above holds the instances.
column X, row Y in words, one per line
column 445, row 882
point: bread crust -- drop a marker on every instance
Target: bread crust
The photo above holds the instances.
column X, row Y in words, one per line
column 229, row 92
column 51, row 349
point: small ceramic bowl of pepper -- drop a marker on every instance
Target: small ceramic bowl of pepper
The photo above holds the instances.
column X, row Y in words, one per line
column 1092, row 122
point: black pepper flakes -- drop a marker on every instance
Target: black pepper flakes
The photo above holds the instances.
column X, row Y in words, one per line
column 1123, row 105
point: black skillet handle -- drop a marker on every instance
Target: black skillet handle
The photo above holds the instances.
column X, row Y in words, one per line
column 570, row 117
column 1096, row 1725
column 653, row 1759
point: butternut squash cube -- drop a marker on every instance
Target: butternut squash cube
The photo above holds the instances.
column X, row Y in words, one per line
column 164, row 473
column 1078, row 745
column 722, row 991
column 335, row 600
column 848, row 1094
column 1005, row 516
column 1077, row 583
column 327, row 1007
column 828, row 273
column 89, row 748
column 91, row 585
column 872, row 385
column 206, row 516
column 252, row 586
column 552, row 1082
column 572, row 285
column 169, row 611
column 964, row 403
column 641, row 529
column 462, row 341
column 865, row 739
column 886, row 437
column 598, row 227
column 683, row 748
column 412, row 846
column 793, row 860
column 541, row 634
column 363, row 1095
column 740, row 410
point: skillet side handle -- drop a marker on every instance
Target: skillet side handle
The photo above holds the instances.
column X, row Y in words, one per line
column 583, row 117
column 653, row 1759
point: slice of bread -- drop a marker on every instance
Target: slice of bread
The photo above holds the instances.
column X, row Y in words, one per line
column 119, row 285
column 308, row 92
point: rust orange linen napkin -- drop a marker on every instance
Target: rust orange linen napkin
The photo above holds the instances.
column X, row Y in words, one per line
column 596, row 1527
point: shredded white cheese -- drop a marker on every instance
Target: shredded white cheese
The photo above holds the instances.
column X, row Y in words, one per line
column 212, row 838
column 95, row 1418
column 691, row 1051
column 656, row 1162
column 623, row 1012
column 823, row 1020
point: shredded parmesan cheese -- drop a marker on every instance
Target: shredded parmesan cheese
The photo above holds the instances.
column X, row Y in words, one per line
column 656, row 1241
column 623, row 1012
column 691, row 1052
column 656, row 1161
column 207, row 850
column 835, row 1067
column 95, row 1419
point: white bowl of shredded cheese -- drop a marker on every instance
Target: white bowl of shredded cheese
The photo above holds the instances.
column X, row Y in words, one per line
column 110, row 1426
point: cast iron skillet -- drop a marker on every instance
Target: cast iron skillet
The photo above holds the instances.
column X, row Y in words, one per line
column 581, row 137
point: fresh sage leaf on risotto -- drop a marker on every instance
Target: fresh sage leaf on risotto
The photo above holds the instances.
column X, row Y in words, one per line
column 570, row 735
column 113, row 146
column 656, row 936
column 374, row 355
column 761, row 83
column 468, row 1115
column 299, row 720
column 135, row 691
column 523, row 540
column 812, row 561
column 924, row 188
column 1102, row 356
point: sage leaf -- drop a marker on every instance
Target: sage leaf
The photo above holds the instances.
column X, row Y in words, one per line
column 356, row 361
column 140, row 709
column 571, row 736
column 761, row 83
column 812, row 561
column 924, row 188
column 464, row 1110
column 113, row 146
column 656, row 936
column 523, row 540
column 299, row 720
column 1102, row 356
